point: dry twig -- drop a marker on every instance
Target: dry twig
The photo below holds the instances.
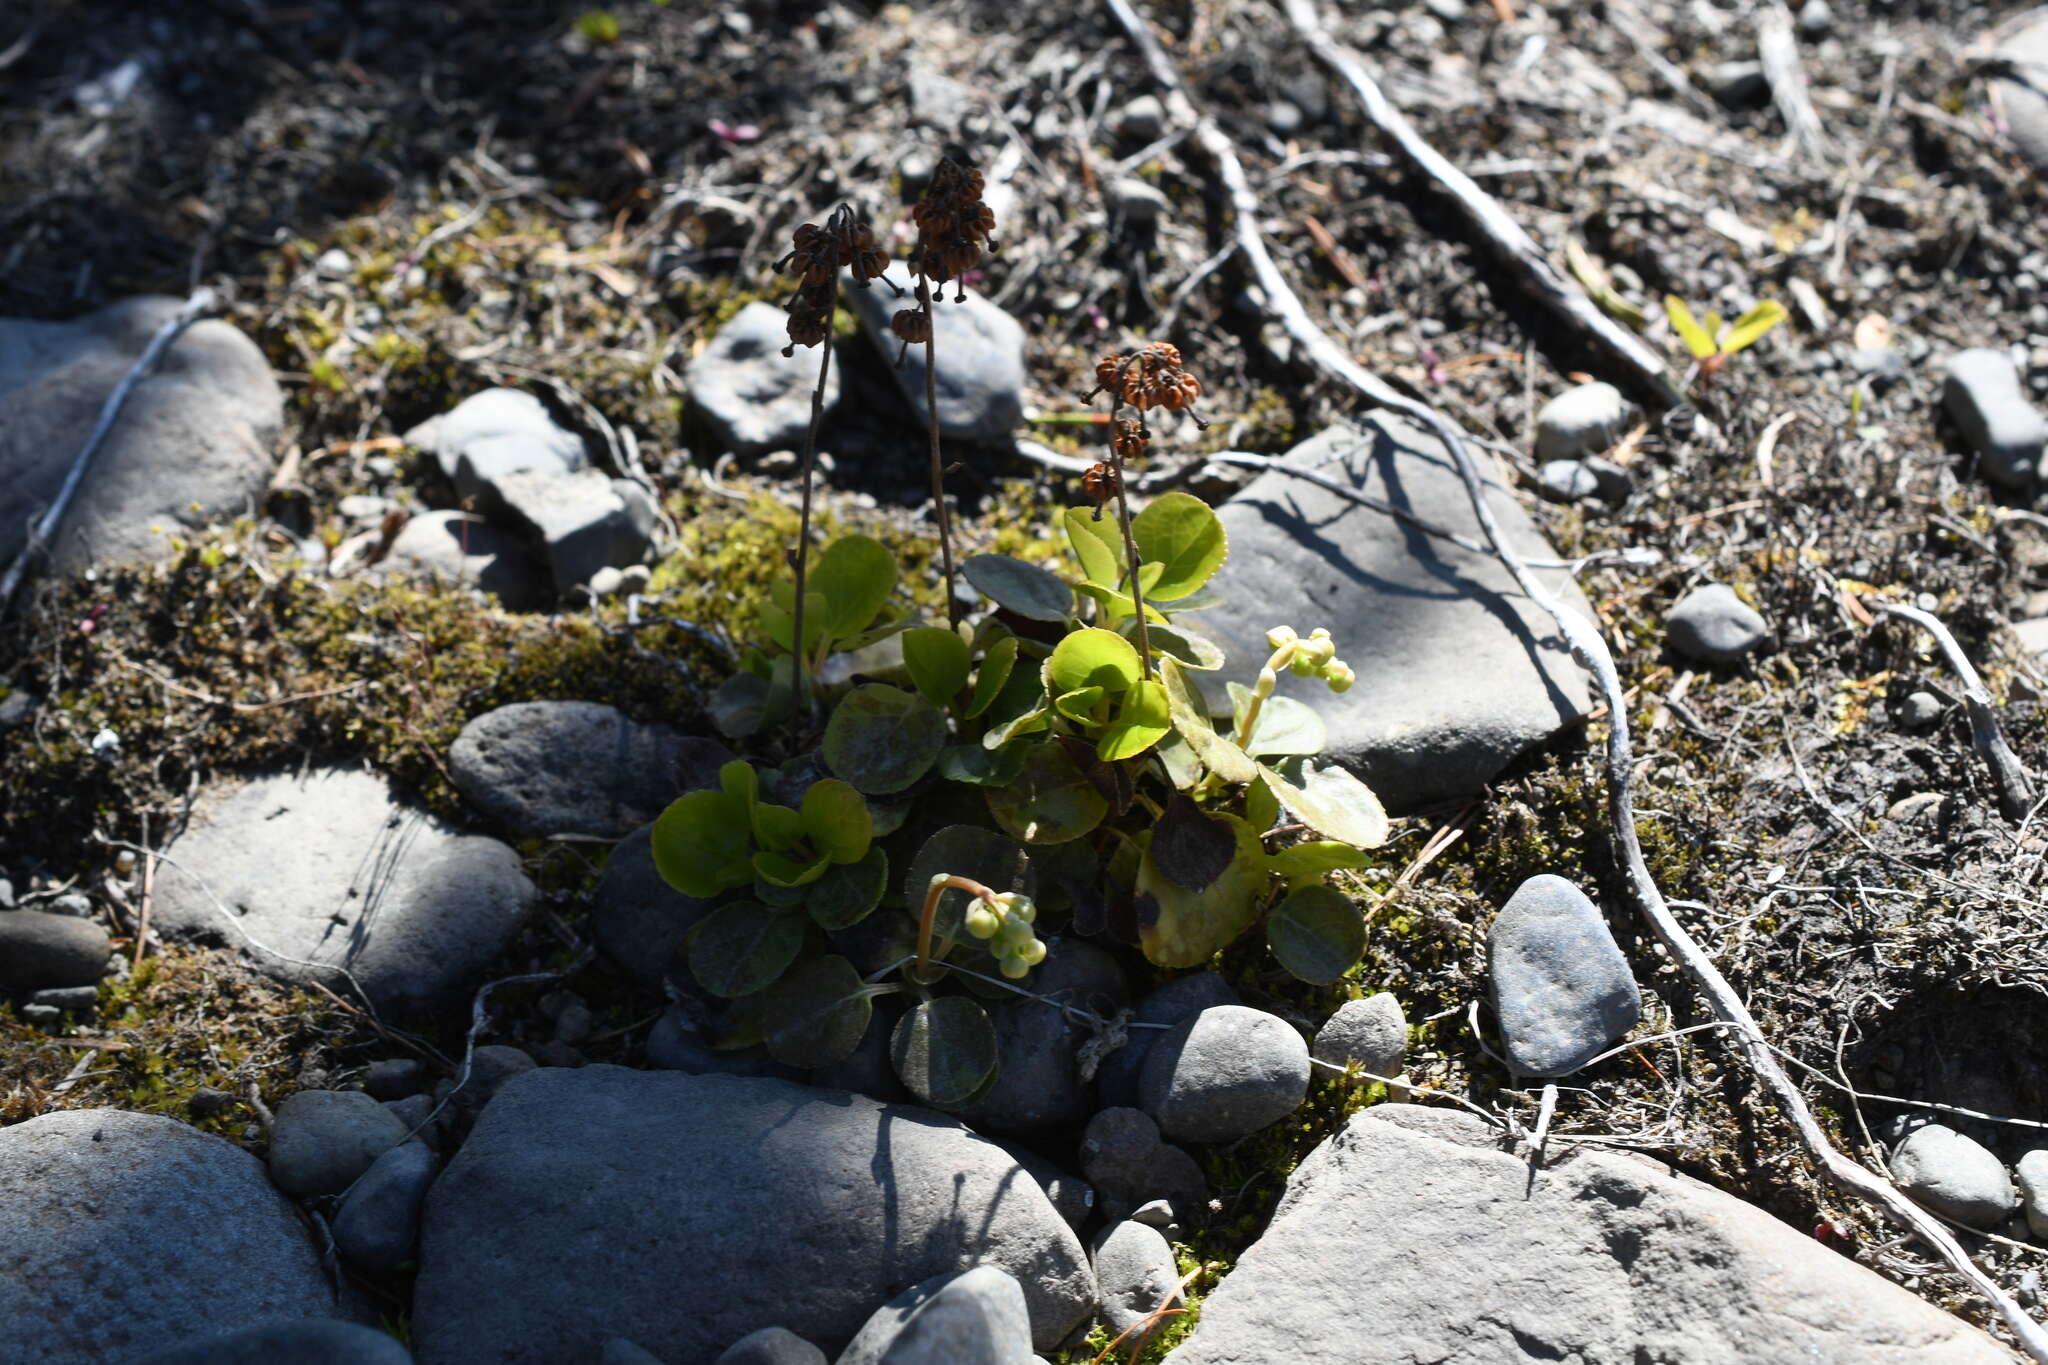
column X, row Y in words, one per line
column 2015, row 790
column 1500, row 233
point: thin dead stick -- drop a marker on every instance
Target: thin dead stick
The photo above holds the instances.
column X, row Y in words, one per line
column 202, row 302
column 1778, row 51
column 1500, row 233
column 148, row 887
column 1591, row 651
column 2015, row 790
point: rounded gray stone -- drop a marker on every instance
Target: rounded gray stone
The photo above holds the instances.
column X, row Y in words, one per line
column 461, row 548
column 567, row 767
column 1038, row 1082
column 41, row 951
column 771, row 1346
column 489, row 1068
column 753, row 397
column 1918, row 710
column 981, row 376
column 1224, row 1074
column 122, row 1233
column 193, row 442
column 1567, row 481
column 308, row 1341
column 1181, row 998
column 393, row 1078
column 2032, row 1178
column 1711, row 625
column 684, row 1211
column 971, row 1317
column 1561, row 988
column 1990, row 407
column 1954, row 1175
column 1373, row 1033
column 637, row 918
column 324, row 1139
column 1135, row 1267
column 1581, row 421
column 379, row 1220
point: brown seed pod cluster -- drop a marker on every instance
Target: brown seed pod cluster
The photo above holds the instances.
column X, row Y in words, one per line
column 1153, row 378
column 817, row 252
column 1100, row 484
column 1129, row 438
column 953, row 225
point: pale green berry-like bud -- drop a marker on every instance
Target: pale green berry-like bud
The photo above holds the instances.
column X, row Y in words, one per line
column 981, row 921
column 1280, row 635
column 1339, row 676
column 1268, row 679
column 1304, row 665
column 1016, row 968
column 1024, row 908
column 1032, row 953
column 1319, row 633
column 1015, row 932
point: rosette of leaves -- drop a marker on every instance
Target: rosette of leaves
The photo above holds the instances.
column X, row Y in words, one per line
column 846, row 607
column 804, row 870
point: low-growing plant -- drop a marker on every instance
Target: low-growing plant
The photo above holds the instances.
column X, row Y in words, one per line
column 1711, row 344
column 1048, row 762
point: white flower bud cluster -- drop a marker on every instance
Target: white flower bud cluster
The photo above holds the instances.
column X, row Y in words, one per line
column 1006, row 920
column 1314, row 657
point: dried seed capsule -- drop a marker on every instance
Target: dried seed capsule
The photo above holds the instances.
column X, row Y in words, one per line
column 913, row 325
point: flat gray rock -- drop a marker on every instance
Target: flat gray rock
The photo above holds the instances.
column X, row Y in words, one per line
column 1457, row 671
column 683, row 1212
column 309, row 1341
column 1954, row 1175
column 334, row 871
column 465, row 550
column 1989, row 405
column 493, row 434
column 1224, row 1074
column 42, row 951
column 1130, row 1164
column 1561, row 988
column 1413, row 1238
column 753, row 397
column 2031, row 1176
column 192, row 443
column 569, row 767
column 124, row 1233
column 980, row 352
column 970, row 1317
column 584, row 522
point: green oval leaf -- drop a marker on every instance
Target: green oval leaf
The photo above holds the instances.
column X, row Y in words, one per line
column 1024, row 588
column 1191, row 648
column 984, row 767
column 945, row 1051
column 881, row 738
column 855, row 576
column 815, row 1016
column 1182, row 928
column 701, row 844
column 747, row 703
column 1079, row 705
column 787, row 870
column 848, row 893
column 740, row 948
column 776, row 827
column 1141, row 722
column 1308, row 863
column 1020, row 710
column 1180, row 531
column 1285, row 726
column 1097, row 545
column 995, row 672
column 937, row 661
column 836, row 819
column 1316, row 934
column 1215, row 751
column 1334, row 802
column 1091, row 657
column 1051, row 801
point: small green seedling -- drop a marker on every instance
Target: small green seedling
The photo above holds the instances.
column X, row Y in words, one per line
column 1709, row 344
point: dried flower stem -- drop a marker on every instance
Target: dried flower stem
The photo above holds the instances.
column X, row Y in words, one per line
column 800, row 657
column 931, row 412
column 1123, row 519
column 939, row 886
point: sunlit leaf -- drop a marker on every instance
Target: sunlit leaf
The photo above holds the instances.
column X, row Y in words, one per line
column 1696, row 338
column 937, row 661
column 855, row 575
column 701, row 844
column 994, row 672
column 1182, row 928
column 1308, row 863
column 1181, row 532
column 1285, row 726
column 1334, row 802
column 1097, row 544
column 1091, row 657
column 1216, row 752
column 1752, row 325
column 1142, row 720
